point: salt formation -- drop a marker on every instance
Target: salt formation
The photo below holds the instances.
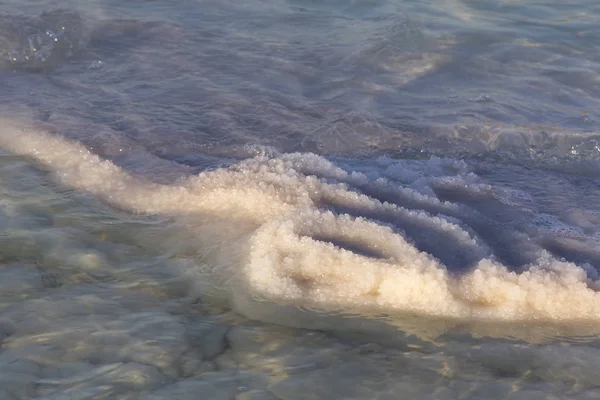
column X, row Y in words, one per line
column 296, row 230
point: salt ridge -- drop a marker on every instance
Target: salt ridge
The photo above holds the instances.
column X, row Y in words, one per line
column 291, row 246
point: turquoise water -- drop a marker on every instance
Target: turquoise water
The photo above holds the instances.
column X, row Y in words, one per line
column 299, row 200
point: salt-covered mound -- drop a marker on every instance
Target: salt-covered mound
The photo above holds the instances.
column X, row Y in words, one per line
column 296, row 230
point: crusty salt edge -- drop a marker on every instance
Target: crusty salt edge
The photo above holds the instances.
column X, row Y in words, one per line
column 285, row 255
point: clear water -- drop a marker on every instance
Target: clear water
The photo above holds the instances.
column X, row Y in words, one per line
column 299, row 199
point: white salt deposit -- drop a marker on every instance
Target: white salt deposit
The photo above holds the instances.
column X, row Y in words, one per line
column 301, row 233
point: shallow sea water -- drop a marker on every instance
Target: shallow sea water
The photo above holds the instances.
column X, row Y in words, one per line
column 299, row 199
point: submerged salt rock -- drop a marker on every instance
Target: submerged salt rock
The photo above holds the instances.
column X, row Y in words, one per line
column 212, row 385
column 256, row 395
column 40, row 44
column 18, row 376
column 209, row 338
column 7, row 328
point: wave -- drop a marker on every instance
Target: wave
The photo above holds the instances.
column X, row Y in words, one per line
column 295, row 230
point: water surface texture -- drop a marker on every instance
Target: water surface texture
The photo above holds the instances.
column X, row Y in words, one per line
column 299, row 199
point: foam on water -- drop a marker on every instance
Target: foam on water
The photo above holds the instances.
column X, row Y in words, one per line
column 296, row 230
